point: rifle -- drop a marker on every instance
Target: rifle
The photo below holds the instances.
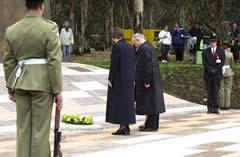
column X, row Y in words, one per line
column 57, row 135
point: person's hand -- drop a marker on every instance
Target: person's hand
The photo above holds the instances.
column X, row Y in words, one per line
column 109, row 83
column 59, row 101
column 12, row 97
column 147, row 85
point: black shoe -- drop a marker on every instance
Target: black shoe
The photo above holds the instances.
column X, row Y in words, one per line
column 141, row 127
column 216, row 111
column 122, row 131
column 148, row 129
column 209, row 112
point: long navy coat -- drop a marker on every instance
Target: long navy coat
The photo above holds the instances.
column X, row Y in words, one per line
column 149, row 101
column 120, row 100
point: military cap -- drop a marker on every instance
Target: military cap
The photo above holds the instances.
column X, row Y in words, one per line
column 213, row 37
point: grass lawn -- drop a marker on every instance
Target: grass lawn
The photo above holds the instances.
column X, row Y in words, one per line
column 99, row 59
column 102, row 59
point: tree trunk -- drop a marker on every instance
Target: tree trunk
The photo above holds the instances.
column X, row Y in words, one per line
column 72, row 15
column 130, row 19
column 72, row 21
column 84, row 23
column 109, row 23
column 53, row 6
column 138, row 22
column 123, row 17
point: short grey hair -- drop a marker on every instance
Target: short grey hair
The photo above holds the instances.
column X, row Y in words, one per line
column 139, row 37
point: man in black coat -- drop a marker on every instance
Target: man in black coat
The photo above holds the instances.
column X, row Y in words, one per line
column 213, row 61
column 149, row 93
column 121, row 91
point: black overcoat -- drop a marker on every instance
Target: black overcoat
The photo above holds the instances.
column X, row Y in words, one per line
column 121, row 97
column 149, row 101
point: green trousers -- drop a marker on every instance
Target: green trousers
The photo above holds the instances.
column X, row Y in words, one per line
column 225, row 92
column 33, row 123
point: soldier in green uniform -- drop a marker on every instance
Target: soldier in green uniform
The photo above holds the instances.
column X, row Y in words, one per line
column 32, row 65
column 226, row 83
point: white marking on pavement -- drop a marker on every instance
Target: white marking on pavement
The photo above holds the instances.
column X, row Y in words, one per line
column 75, row 94
column 221, row 126
column 4, row 99
column 90, row 85
column 183, row 145
column 134, row 140
column 232, row 148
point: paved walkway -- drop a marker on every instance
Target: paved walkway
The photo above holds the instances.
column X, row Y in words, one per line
column 185, row 130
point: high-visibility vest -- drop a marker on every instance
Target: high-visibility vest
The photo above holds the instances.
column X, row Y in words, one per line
column 201, row 44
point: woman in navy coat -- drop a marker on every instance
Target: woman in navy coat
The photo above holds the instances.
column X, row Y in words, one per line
column 121, row 91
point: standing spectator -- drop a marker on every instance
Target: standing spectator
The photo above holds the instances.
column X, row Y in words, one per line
column 226, row 83
column 179, row 36
column 213, row 61
column 67, row 40
column 165, row 41
column 121, row 91
column 236, row 48
column 195, row 33
column 149, row 92
column 234, row 31
column 206, row 33
column 233, row 36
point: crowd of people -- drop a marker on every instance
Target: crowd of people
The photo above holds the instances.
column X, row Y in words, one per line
column 196, row 39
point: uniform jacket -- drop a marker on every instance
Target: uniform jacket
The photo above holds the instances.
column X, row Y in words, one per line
column 211, row 67
column 229, row 62
column 33, row 37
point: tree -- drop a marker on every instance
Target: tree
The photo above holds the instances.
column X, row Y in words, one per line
column 138, row 21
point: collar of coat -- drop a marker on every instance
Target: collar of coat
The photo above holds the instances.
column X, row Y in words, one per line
column 142, row 45
column 122, row 40
column 32, row 14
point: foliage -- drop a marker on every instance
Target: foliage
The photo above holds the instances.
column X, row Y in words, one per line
column 186, row 81
column 103, row 15
column 100, row 59
column 77, row 119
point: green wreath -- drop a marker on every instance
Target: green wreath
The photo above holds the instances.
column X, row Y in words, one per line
column 77, row 119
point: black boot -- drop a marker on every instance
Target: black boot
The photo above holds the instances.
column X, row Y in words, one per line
column 123, row 130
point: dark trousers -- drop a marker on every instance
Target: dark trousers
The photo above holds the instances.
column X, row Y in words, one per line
column 179, row 52
column 213, row 86
column 152, row 121
column 165, row 49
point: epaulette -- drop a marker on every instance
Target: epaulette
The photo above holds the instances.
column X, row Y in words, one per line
column 49, row 21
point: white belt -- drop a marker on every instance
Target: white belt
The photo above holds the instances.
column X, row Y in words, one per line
column 225, row 67
column 33, row 61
